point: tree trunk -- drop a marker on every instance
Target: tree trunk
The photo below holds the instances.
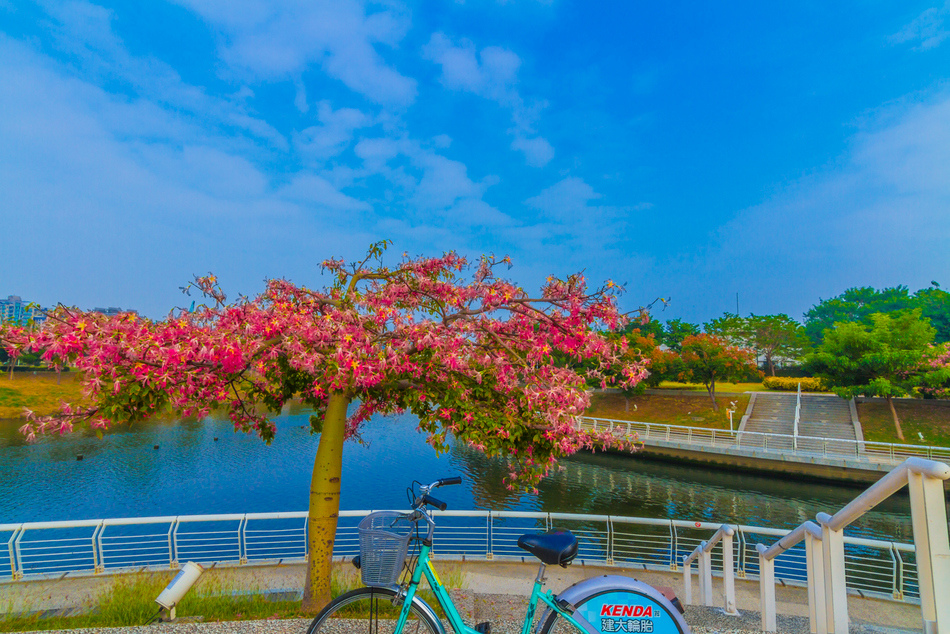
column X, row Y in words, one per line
column 770, row 363
column 711, row 388
column 897, row 421
column 324, row 505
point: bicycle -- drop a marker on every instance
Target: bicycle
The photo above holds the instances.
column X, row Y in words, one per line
column 599, row 605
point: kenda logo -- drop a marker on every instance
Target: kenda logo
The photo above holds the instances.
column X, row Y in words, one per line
column 626, row 610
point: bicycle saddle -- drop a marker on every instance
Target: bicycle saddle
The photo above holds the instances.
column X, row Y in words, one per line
column 557, row 546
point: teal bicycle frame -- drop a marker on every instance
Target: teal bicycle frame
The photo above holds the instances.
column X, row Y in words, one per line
column 425, row 567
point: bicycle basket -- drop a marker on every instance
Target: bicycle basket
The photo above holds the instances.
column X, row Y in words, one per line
column 384, row 542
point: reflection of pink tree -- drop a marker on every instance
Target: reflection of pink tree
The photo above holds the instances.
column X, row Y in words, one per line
column 474, row 357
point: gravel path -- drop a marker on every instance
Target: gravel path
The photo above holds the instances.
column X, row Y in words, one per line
column 702, row 620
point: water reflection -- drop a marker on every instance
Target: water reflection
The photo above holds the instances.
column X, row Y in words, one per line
column 190, row 472
column 611, row 484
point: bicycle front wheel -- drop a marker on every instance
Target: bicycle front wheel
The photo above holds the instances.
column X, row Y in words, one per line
column 369, row 611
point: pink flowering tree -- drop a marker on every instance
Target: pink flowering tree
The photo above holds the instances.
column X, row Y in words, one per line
column 935, row 372
column 469, row 353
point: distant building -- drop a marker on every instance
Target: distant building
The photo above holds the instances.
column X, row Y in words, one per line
column 112, row 311
column 14, row 310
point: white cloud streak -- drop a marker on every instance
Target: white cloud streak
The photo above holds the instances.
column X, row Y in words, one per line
column 928, row 30
column 280, row 39
column 491, row 73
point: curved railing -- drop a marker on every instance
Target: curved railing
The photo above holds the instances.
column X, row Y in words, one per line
column 38, row 550
column 826, row 560
column 763, row 443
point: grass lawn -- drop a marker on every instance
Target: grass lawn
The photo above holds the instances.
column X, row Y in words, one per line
column 928, row 418
column 720, row 387
column 674, row 409
column 131, row 601
column 38, row 392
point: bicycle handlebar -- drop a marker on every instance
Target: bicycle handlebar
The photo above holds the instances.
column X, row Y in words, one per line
column 447, row 481
column 439, row 504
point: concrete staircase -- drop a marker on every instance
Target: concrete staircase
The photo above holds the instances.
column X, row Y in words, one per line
column 771, row 414
column 824, row 420
column 826, row 417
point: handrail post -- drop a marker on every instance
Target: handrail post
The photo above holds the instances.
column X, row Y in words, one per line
column 898, row 573
column 798, row 416
column 816, row 585
column 98, row 558
column 728, row 575
column 674, row 546
column 705, row 580
column 173, row 544
column 929, row 518
column 242, row 540
column 14, row 573
column 610, row 541
column 687, row 581
column 836, row 589
column 766, row 590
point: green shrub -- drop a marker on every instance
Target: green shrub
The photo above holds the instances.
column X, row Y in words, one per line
column 790, row 384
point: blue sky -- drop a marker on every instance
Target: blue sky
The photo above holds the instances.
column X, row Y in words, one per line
column 692, row 151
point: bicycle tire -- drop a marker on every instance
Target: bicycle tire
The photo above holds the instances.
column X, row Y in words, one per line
column 369, row 611
column 554, row 624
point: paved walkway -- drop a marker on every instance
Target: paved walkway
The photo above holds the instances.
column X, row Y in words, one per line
column 493, row 591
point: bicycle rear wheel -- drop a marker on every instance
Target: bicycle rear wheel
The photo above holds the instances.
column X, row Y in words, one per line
column 369, row 611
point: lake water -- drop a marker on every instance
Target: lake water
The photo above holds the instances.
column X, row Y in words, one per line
column 123, row 475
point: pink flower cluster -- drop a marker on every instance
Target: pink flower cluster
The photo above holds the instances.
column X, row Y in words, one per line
column 475, row 356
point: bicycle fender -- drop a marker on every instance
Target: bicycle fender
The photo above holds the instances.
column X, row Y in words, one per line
column 608, row 603
column 427, row 609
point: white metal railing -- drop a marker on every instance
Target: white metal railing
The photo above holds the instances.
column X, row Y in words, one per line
column 798, row 416
column 39, row 550
column 759, row 442
column 825, row 552
column 703, row 553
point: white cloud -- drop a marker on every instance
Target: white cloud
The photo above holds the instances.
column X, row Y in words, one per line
column 274, row 40
column 537, row 151
column 443, row 182
column 878, row 217
column 491, row 73
column 85, row 31
column 565, row 200
column 300, row 98
column 929, row 30
column 137, row 198
column 311, row 189
column 334, row 134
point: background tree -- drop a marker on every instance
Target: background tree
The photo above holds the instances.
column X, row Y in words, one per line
column 854, row 305
column 858, row 304
column 708, row 358
column 470, row 356
column 885, row 359
column 934, row 304
column 772, row 336
column 675, row 331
